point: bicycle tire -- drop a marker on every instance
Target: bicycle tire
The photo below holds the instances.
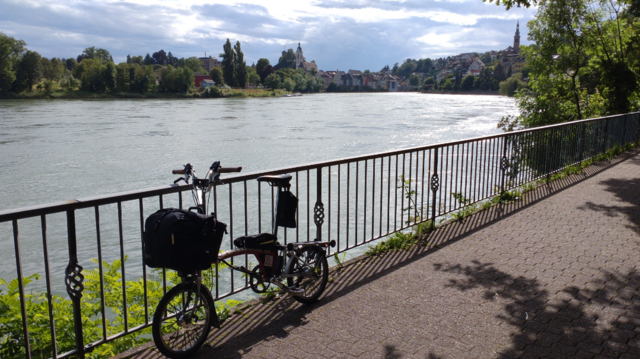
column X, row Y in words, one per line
column 179, row 335
column 313, row 286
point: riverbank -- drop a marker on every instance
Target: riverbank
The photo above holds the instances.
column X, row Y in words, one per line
column 474, row 92
column 192, row 94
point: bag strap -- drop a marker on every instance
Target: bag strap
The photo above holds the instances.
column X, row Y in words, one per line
column 157, row 224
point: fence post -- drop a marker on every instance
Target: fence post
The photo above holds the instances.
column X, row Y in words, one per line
column 637, row 116
column 606, row 137
column 73, row 280
column 582, row 134
column 318, row 210
column 504, row 164
column 435, row 184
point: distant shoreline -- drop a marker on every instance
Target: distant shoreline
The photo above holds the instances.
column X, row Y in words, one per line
column 484, row 93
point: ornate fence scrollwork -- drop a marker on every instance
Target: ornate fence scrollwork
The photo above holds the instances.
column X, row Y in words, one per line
column 73, row 279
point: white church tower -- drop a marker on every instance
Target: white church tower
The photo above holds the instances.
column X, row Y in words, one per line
column 299, row 57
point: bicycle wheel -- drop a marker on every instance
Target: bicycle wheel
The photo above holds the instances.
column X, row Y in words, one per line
column 181, row 321
column 313, row 278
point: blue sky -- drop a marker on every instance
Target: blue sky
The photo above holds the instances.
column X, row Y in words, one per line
column 343, row 35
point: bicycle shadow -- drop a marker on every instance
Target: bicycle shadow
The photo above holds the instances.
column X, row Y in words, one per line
column 257, row 326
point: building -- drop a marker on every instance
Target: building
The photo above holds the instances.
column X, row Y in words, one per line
column 475, row 68
column 208, row 63
column 207, row 83
column 511, row 56
column 201, row 77
column 301, row 64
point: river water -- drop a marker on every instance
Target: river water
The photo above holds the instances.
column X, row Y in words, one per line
column 59, row 150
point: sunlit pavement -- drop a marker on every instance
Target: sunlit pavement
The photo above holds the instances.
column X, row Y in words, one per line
column 552, row 275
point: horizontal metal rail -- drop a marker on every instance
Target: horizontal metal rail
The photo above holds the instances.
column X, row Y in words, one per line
column 353, row 200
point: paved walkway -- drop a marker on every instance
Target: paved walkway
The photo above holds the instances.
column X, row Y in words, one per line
column 554, row 275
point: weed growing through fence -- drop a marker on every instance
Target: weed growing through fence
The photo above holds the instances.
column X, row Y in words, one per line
column 409, row 195
column 339, row 260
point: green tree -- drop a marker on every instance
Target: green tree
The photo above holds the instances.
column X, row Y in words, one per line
column 242, row 76
column 511, row 85
column 467, row 83
column 194, row 64
column 29, row 71
column 70, row 63
column 109, row 75
column 148, row 60
column 414, row 80
column 289, row 84
column 216, row 75
column 10, row 52
column 94, row 53
column 253, row 76
column 228, row 63
column 261, row 66
column 286, row 61
column 273, row 81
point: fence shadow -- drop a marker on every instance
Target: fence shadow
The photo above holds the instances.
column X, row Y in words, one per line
column 257, row 326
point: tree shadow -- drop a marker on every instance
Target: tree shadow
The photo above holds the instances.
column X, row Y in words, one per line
column 597, row 320
column 627, row 192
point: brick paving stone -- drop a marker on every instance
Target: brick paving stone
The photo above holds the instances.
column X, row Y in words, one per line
column 553, row 275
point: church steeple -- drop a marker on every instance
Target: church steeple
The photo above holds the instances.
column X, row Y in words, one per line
column 299, row 57
column 516, row 39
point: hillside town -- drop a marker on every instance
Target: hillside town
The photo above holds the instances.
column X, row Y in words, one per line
column 508, row 61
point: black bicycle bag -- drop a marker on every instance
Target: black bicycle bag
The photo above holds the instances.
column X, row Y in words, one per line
column 181, row 240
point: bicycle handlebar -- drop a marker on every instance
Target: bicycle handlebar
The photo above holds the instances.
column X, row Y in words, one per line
column 178, row 172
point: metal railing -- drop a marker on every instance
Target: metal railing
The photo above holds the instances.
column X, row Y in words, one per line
column 353, row 200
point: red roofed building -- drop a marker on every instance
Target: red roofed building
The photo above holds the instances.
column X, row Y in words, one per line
column 200, row 77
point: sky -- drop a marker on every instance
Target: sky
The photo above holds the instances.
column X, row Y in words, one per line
column 354, row 34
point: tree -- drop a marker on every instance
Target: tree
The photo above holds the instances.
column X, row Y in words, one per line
column 109, row 75
column 128, row 59
column 260, row 66
column 486, row 57
column 467, row 83
column 10, row 52
column 148, row 60
column 242, row 77
column 273, row 81
column 511, row 85
column 171, row 60
column 228, row 63
column 28, row 71
column 395, row 68
column 266, row 72
column 93, row 53
column 216, row 75
column 71, row 63
column 253, row 76
column 194, row 64
column 414, row 80
column 287, row 60
column 160, row 58
column 176, row 80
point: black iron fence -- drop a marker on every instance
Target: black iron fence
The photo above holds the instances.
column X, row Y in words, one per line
column 91, row 248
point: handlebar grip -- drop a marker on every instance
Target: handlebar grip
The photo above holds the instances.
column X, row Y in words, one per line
column 178, row 172
column 230, row 169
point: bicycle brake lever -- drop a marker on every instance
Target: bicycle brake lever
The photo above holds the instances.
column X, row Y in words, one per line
column 178, row 180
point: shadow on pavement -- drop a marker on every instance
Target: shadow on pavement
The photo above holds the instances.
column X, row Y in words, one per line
column 257, row 327
column 574, row 322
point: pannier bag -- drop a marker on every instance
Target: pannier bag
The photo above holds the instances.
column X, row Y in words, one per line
column 181, row 240
column 265, row 241
column 287, row 208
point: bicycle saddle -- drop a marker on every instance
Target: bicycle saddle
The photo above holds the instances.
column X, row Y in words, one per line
column 276, row 180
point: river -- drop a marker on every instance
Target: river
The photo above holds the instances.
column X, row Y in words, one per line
column 54, row 150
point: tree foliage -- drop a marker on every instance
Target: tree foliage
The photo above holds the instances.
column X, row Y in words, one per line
column 286, row 61
column 584, row 63
column 216, row 75
column 242, row 76
column 228, row 63
column 28, row 71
